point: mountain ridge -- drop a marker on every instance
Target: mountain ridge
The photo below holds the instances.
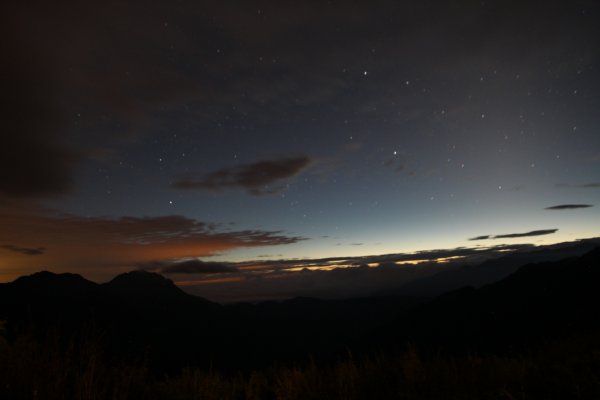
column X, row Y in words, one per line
column 537, row 302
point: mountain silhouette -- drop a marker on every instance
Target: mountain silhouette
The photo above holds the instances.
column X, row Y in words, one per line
column 538, row 302
column 142, row 314
column 492, row 270
column 142, row 284
column 48, row 284
column 149, row 291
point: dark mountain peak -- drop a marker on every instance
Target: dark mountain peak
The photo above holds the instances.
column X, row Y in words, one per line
column 140, row 276
column 46, row 276
column 143, row 283
column 47, row 283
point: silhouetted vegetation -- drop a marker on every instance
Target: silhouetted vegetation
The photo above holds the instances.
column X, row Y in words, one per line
column 79, row 369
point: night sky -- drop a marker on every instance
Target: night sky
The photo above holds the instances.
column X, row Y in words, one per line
column 241, row 146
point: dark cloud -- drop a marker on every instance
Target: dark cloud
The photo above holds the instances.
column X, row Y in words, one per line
column 24, row 250
column 125, row 241
column 346, row 277
column 459, row 254
column 190, row 267
column 34, row 159
column 483, row 237
column 540, row 232
column 569, row 206
column 517, row 235
column 395, row 164
column 342, row 277
column 582, row 185
column 256, row 178
column 269, row 255
column 138, row 230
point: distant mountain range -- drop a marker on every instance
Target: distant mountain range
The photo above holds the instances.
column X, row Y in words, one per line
column 540, row 302
column 492, row 270
column 142, row 314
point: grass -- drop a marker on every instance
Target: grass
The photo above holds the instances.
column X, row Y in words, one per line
column 79, row 369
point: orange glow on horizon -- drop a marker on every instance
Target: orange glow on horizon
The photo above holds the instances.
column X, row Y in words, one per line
column 441, row 260
column 209, row 281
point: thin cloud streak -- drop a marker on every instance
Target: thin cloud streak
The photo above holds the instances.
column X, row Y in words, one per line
column 24, row 250
column 427, row 256
column 482, row 237
column 256, row 178
column 193, row 266
column 568, row 206
column 582, row 185
column 539, row 232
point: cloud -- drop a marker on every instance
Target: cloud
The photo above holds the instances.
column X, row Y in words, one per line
column 34, row 158
column 540, row 232
column 190, row 267
column 425, row 256
column 100, row 247
column 581, row 185
column 517, row 235
column 24, row 250
column 256, row 178
column 340, row 277
column 483, row 237
column 568, row 206
column 395, row 164
column 286, row 265
column 346, row 277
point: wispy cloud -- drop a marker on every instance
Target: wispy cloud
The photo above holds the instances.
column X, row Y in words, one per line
column 334, row 277
column 24, row 250
column 193, row 266
column 580, row 185
column 94, row 245
column 482, row 237
column 539, row 232
column 257, row 178
column 569, row 206
column 285, row 265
